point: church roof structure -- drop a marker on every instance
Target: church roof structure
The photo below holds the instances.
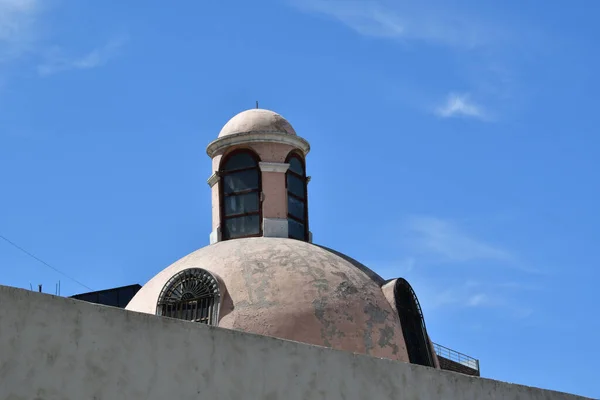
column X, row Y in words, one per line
column 262, row 273
column 291, row 289
column 257, row 120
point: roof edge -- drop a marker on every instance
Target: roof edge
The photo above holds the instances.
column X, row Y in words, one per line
column 220, row 144
column 368, row 271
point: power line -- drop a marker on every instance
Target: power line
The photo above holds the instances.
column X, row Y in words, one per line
column 43, row 262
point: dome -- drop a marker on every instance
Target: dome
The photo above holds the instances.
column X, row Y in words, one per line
column 257, row 120
column 292, row 290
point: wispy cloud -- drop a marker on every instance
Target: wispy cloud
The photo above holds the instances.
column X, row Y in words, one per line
column 437, row 242
column 21, row 22
column 16, row 17
column 460, row 296
column 445, row 239
column 482, row 296
column 440, row 298
column 17, row 22
column 57, row 62
column 477, row 300
column 441, row 241
column 393, row 269
column 504, row 286
column 488, row 48
column 461, row 105
column 432, row 23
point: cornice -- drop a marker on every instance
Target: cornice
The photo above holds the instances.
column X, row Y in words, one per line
column 214, row 178
column 273, row 167
column 219, row 145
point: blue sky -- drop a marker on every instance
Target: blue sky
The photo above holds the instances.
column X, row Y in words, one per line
column 453, row 143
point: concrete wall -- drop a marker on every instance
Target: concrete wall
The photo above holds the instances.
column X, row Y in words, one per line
column 58, row 348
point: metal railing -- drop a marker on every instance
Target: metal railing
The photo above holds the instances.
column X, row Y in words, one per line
column 455, row 356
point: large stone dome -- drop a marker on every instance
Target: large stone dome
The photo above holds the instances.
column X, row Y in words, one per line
column 293, row 290
column 257, row 120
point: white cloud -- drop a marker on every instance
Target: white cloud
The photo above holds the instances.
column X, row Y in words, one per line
column 436, row 241
column 441, row 241
column 487, row 44
column 522, row 312
column 20, row 42
column 56, row 62
column 432, row 23
column 393, row 269
column 17, row 22
column 439, row 299
column 406, row 265
column 460, row 105
column 477, row 300
column 465, row 296
column 444, row 239
column 15, row 17
column 458, row 296
column 519, row 286
column 504, row 286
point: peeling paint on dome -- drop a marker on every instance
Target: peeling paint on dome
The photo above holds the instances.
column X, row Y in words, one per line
column 293, row 290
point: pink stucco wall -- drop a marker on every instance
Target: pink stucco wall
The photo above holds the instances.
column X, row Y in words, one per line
column 275, row 199
column 215, row 207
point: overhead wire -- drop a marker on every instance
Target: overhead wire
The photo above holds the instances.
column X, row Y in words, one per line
column 43, row 262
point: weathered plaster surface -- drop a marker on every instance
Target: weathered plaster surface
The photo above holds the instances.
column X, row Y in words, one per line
column 54, row 348
column 273, row 167
column 216, row 162
column 215, row 205
column 257, row 120
column 370, row 273
column 275, row 195
column 293, row 290
column 215, row 236
column 275, row 227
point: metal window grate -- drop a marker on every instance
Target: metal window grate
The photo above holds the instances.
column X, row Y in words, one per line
column 191, row 295
column 297, row 197
column 240, row 178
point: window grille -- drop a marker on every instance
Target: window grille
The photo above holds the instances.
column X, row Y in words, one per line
column 191, row 295
column 240, row 189
column 296, row 184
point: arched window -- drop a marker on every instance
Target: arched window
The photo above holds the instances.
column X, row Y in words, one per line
column 413, row 324
column 296, row 198
column 240, row 195
column 192, row 295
